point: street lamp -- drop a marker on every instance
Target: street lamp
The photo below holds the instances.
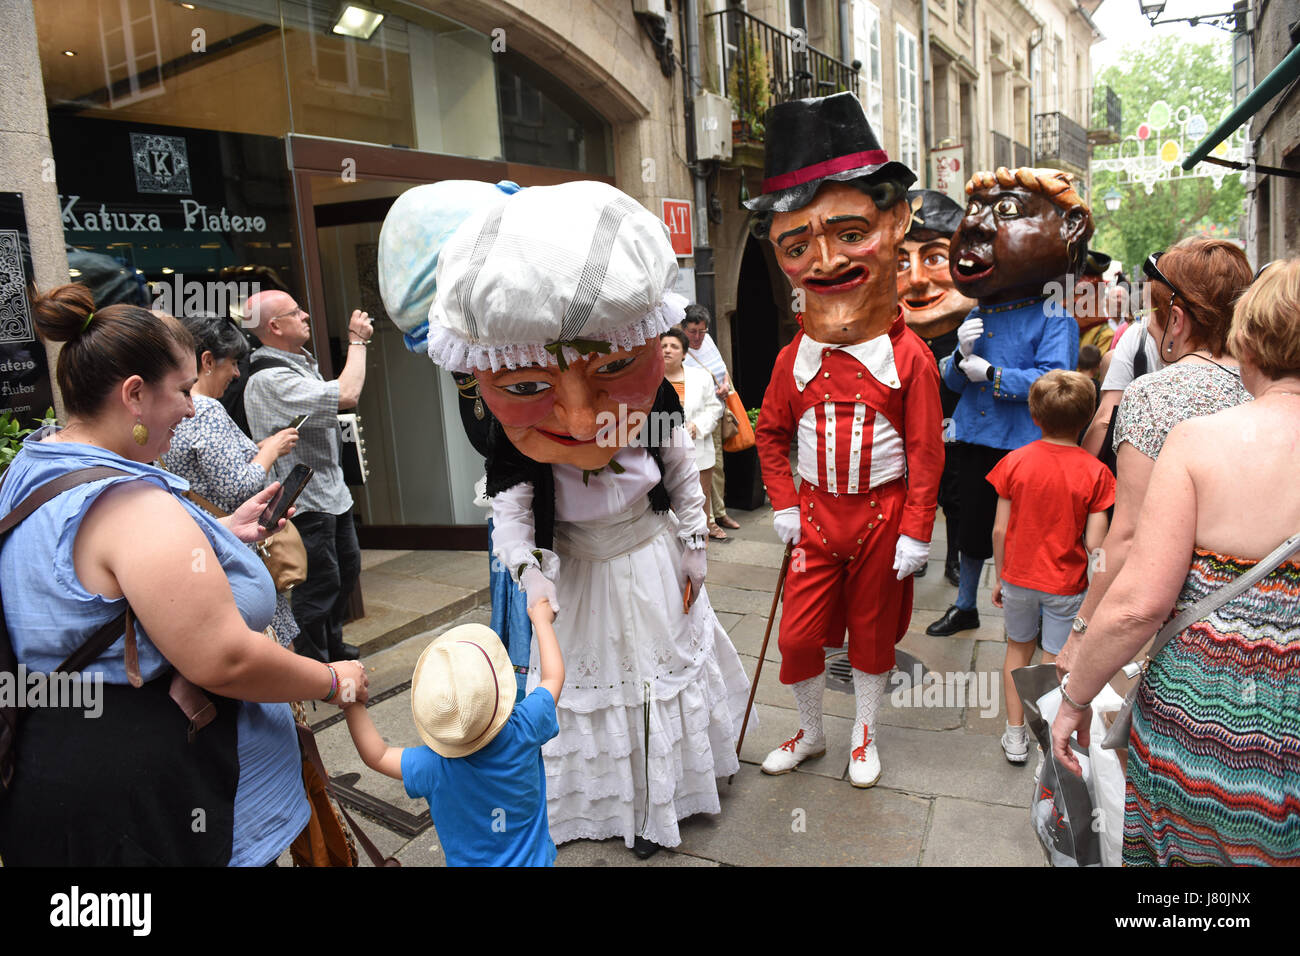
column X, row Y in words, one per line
column 1151, row 9
column 1112, row 198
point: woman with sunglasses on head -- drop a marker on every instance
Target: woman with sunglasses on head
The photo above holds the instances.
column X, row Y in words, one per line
column 221, row 463
column 1193, row 288
column 1213, row 774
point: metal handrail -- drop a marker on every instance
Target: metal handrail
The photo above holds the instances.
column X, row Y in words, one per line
column 769, row 66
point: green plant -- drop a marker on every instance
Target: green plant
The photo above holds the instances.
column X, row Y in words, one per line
column 753, row 417
column 747, row 85
column 11, row 435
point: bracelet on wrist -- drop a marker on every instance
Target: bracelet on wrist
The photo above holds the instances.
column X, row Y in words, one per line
column 1065, row 695
column 363, row 342
column 334, row 684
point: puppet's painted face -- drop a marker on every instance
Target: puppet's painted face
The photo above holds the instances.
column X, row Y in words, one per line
column 1011, row 244
column 931, row 305
column 563, row 417
column 841, row 253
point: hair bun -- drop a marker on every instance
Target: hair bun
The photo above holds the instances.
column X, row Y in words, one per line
column 61, row 313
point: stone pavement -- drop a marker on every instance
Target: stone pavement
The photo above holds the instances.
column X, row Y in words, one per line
column 947, row 796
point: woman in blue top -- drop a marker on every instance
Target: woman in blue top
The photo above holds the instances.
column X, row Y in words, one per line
column 209, row 451
column 126, row 788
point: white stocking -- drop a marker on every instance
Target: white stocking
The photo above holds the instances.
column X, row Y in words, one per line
column 868, row 689
column 808, row 696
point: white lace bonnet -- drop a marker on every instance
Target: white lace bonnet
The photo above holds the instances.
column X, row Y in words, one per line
column 550, row 275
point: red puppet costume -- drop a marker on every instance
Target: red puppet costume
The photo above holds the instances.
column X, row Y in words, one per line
column 857, row 392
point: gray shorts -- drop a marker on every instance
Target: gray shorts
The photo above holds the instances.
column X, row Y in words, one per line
column 1021, row 607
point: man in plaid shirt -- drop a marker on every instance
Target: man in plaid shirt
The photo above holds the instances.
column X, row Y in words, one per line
column 285, row 383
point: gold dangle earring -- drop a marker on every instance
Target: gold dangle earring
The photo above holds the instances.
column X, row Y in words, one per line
column 140, row 433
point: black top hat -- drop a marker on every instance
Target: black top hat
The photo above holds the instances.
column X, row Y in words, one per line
column 813, row 141
column 937, row 213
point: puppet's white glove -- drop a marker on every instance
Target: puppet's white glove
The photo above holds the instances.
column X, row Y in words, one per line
column 976, row 368
column 695, row 564
column 967, row 333
column 910, row 555
column 788, row 525
column 539, row 587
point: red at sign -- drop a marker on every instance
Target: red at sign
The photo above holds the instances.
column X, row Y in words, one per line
column 677, row 216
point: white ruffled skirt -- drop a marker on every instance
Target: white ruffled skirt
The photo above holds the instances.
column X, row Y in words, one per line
column 636, row 669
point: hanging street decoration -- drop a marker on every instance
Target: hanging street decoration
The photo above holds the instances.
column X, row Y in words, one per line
column 1152, row 153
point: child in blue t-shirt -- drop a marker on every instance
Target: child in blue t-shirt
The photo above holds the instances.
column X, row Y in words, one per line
column 482, row 770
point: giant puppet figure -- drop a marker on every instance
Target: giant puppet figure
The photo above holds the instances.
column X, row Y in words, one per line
column 1023, row 232
column 860, row 392
column 933, row 308
column 554, row 300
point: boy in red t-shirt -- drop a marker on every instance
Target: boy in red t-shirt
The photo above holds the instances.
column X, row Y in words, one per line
column 1052, row 501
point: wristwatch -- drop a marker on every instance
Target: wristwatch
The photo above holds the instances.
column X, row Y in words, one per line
column 1065, row 695
column 1079, row 626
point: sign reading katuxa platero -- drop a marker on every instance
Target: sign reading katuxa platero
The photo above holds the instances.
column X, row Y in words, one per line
column 162, row 163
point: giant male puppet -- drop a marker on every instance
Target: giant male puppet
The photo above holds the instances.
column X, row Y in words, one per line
column 553, row 299
column 1023, row 232
column 860, row 393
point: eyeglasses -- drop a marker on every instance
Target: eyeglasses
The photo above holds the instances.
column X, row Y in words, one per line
column 1151, row 270
column 295, row 312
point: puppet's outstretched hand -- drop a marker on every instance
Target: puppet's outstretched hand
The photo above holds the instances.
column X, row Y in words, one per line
column 539, row 588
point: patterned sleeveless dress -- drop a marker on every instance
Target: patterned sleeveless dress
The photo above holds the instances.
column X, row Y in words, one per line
column 1214, row 756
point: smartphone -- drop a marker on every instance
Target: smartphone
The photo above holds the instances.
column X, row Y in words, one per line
column 299, row 421
column 289, row 491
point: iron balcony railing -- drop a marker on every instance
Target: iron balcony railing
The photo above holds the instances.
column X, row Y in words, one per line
column 1002, row 153
column 1060, row 141
column 763, row 66
column 1106, row 117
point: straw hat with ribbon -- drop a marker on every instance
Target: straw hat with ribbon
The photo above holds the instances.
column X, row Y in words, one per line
column 462, row 690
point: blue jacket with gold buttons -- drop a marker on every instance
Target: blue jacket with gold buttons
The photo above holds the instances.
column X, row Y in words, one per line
column 1022, row 340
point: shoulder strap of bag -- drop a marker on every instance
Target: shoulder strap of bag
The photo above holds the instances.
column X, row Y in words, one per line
column 1212, row 602
column 1140, row 356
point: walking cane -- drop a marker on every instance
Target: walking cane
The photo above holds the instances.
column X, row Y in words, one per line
column 758, row 668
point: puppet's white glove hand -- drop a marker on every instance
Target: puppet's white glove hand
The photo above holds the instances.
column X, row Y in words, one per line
column 976, row 368
column 539, row 588
column 695, row 564
column 788, row 525
column 910, row 555
column 967, row 333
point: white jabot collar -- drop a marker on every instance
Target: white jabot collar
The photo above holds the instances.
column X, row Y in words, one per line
column 876, row 356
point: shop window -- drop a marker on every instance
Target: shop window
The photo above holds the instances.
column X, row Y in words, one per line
column 128, row 36
column 543, row 123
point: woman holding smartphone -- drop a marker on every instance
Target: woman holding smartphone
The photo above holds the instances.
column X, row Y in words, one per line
column 182, row 765
column 209, row 451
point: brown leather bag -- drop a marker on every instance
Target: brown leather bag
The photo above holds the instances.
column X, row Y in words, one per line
column 326, row 840
column 283, row 553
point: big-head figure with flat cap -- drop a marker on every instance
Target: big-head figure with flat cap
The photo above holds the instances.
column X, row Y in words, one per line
column 860, row 392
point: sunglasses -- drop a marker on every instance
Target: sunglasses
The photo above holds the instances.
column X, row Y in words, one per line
column 1151, row 270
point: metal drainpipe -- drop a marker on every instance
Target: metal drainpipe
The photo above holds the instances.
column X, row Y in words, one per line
column 1033, row 99
column 845, row 51
column 704, row 277
column 927, row 121
column 971, row 160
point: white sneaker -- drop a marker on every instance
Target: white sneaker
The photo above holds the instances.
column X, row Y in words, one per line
column 792, row 753
column 1015, row 743
column 864, row 763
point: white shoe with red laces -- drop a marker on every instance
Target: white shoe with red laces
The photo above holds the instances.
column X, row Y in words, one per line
column 792, row 753
column 864, row 763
